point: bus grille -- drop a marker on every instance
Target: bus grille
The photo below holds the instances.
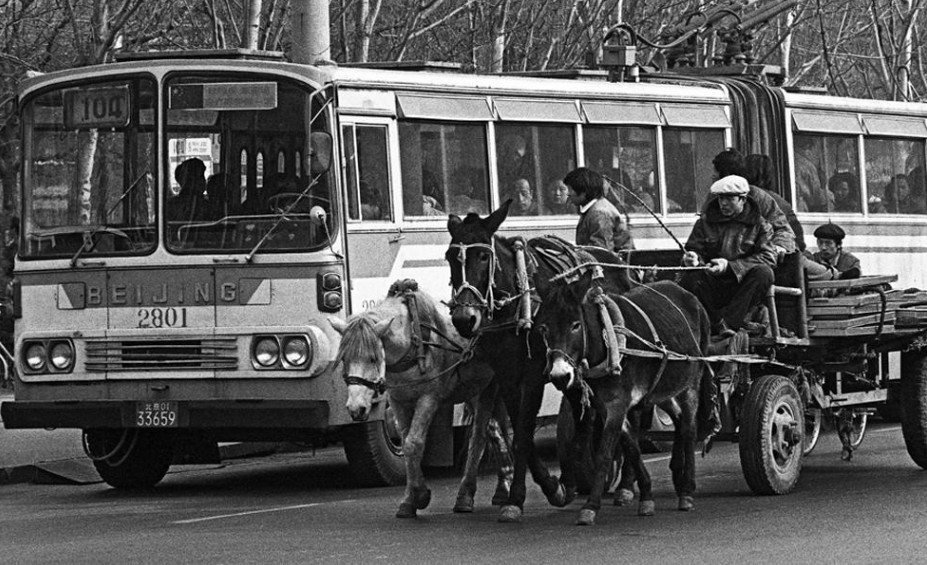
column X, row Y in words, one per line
column 162, row 355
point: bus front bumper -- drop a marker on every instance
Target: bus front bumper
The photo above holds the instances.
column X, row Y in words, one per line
column 199, row 414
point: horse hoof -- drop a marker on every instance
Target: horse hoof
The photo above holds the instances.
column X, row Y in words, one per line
column 646, row 508
column 624, row 497
column 586, row 517
column 686, row 503
column 510, row 514
column 406, row 510
column 464, row 504
column 846, row 454
column 558, row 498
column 421, row 498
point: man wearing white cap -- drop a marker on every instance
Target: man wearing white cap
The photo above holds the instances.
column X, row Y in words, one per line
column 733, row 240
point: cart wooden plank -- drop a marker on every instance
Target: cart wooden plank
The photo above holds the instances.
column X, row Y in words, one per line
column 855, row 331
column 856, row 299
column 851, row 322
column 846, row 311
column 861, row 282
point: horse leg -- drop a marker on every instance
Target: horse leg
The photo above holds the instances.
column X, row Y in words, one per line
column 615, row 414
column 682, row 463
column 477, row 444
column 634, row 462
column 499, row 432
column 574, row 432
column 531, row 405
column 417, row 495
column 624, row 491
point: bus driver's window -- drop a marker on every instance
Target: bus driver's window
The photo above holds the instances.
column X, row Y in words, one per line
column 368, row 187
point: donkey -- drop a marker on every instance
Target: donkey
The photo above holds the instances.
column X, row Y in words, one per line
column 653, row 355
column 408, row 348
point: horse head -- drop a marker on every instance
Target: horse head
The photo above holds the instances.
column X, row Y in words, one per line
column 570, row 322
column 363, row 359
column 473, row 262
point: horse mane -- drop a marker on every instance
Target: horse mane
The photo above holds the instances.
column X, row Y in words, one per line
column 360, row 339
column 425, row 304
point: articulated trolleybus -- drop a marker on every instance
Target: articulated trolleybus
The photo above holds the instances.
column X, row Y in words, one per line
column 191, row 220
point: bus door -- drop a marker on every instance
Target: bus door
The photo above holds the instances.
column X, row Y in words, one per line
column 374, row 237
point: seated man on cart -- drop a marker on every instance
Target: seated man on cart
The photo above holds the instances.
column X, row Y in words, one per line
column 735, row 243
column 831, row 262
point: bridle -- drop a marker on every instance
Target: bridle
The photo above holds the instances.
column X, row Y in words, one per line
column 485, row 302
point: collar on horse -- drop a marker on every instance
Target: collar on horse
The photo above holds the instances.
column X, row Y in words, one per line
column 421, row 332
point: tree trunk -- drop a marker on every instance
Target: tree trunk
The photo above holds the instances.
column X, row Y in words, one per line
column 253, row 25
column 497, row 54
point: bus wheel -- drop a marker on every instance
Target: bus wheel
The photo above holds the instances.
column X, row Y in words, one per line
column 913, row 399
column 771, row 429
column 129, row 458
column 374, row 452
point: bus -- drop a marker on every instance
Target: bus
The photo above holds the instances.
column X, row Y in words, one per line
column 189, row 222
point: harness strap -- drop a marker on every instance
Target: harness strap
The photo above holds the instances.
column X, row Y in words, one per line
column 378, row 387
column 610, row 316
column 653, row 332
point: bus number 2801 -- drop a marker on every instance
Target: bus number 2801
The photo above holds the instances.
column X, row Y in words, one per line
column 162, row 317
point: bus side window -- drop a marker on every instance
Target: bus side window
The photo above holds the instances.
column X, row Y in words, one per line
column 626, row 155
column 368, row 186
column 689, row 170
column 827, row 173
column 444, row 168
column 529, row 157
column 895, row 176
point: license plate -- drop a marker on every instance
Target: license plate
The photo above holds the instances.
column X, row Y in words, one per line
column 164, row 414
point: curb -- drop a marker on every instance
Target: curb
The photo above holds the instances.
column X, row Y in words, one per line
column 81, row 471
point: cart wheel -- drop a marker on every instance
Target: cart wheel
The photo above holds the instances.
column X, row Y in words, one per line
column 771, row 435
column 913, row 397
column 858, row 428
column 812, row 430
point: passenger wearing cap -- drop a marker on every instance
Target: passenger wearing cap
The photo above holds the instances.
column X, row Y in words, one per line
column 733, row 240
column 831, row 261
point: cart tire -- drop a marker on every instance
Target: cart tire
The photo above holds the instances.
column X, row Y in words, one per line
column 812, row 430
column 130, row 459
column 913, row 400
column 770, row 450
column 374, row 453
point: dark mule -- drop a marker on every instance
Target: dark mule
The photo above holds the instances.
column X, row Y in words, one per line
column 494, row 279
column 408, row 347
column 647, row 319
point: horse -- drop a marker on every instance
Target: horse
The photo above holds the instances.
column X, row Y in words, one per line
column 492, row 279
column 408, row 348
column 663, row 331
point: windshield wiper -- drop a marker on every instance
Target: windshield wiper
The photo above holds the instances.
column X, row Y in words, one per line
column 127, row 191
column 282, row 215
column 88, row 243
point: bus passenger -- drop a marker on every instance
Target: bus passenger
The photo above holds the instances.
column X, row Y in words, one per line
column 897, row 197
column 758, row 171
column 600, row 223
column 558, row 198
column 370, row 202
column 731, row 162
column 831, row 261
column 191, row 176
column 523, row 199
column 736, row 243
column 843, row 193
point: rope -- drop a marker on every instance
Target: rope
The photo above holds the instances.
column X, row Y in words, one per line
column 652, row 213
column 570, row 271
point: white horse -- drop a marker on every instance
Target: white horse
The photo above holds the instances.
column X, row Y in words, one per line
column 408, row 347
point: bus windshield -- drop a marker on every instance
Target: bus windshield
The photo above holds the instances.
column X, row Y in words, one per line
column 89, row 177
column 243, row 172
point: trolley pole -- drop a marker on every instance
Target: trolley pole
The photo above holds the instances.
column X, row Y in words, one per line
column 309, row 30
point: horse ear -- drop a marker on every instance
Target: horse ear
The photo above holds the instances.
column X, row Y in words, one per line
column 339, row 324
column 382, row 326
column 494, row 220
column 453, row 220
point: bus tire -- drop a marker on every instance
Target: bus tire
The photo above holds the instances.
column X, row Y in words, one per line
column 374, row 452
column 130, row 459
column 913, row 400
column 770, row 442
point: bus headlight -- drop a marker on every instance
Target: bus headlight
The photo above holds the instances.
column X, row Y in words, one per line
column 36, row 356
column 61, row 355
column 296, row 351
column 266, row 351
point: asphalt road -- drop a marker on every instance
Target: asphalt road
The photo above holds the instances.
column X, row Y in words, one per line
column 300, row 508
